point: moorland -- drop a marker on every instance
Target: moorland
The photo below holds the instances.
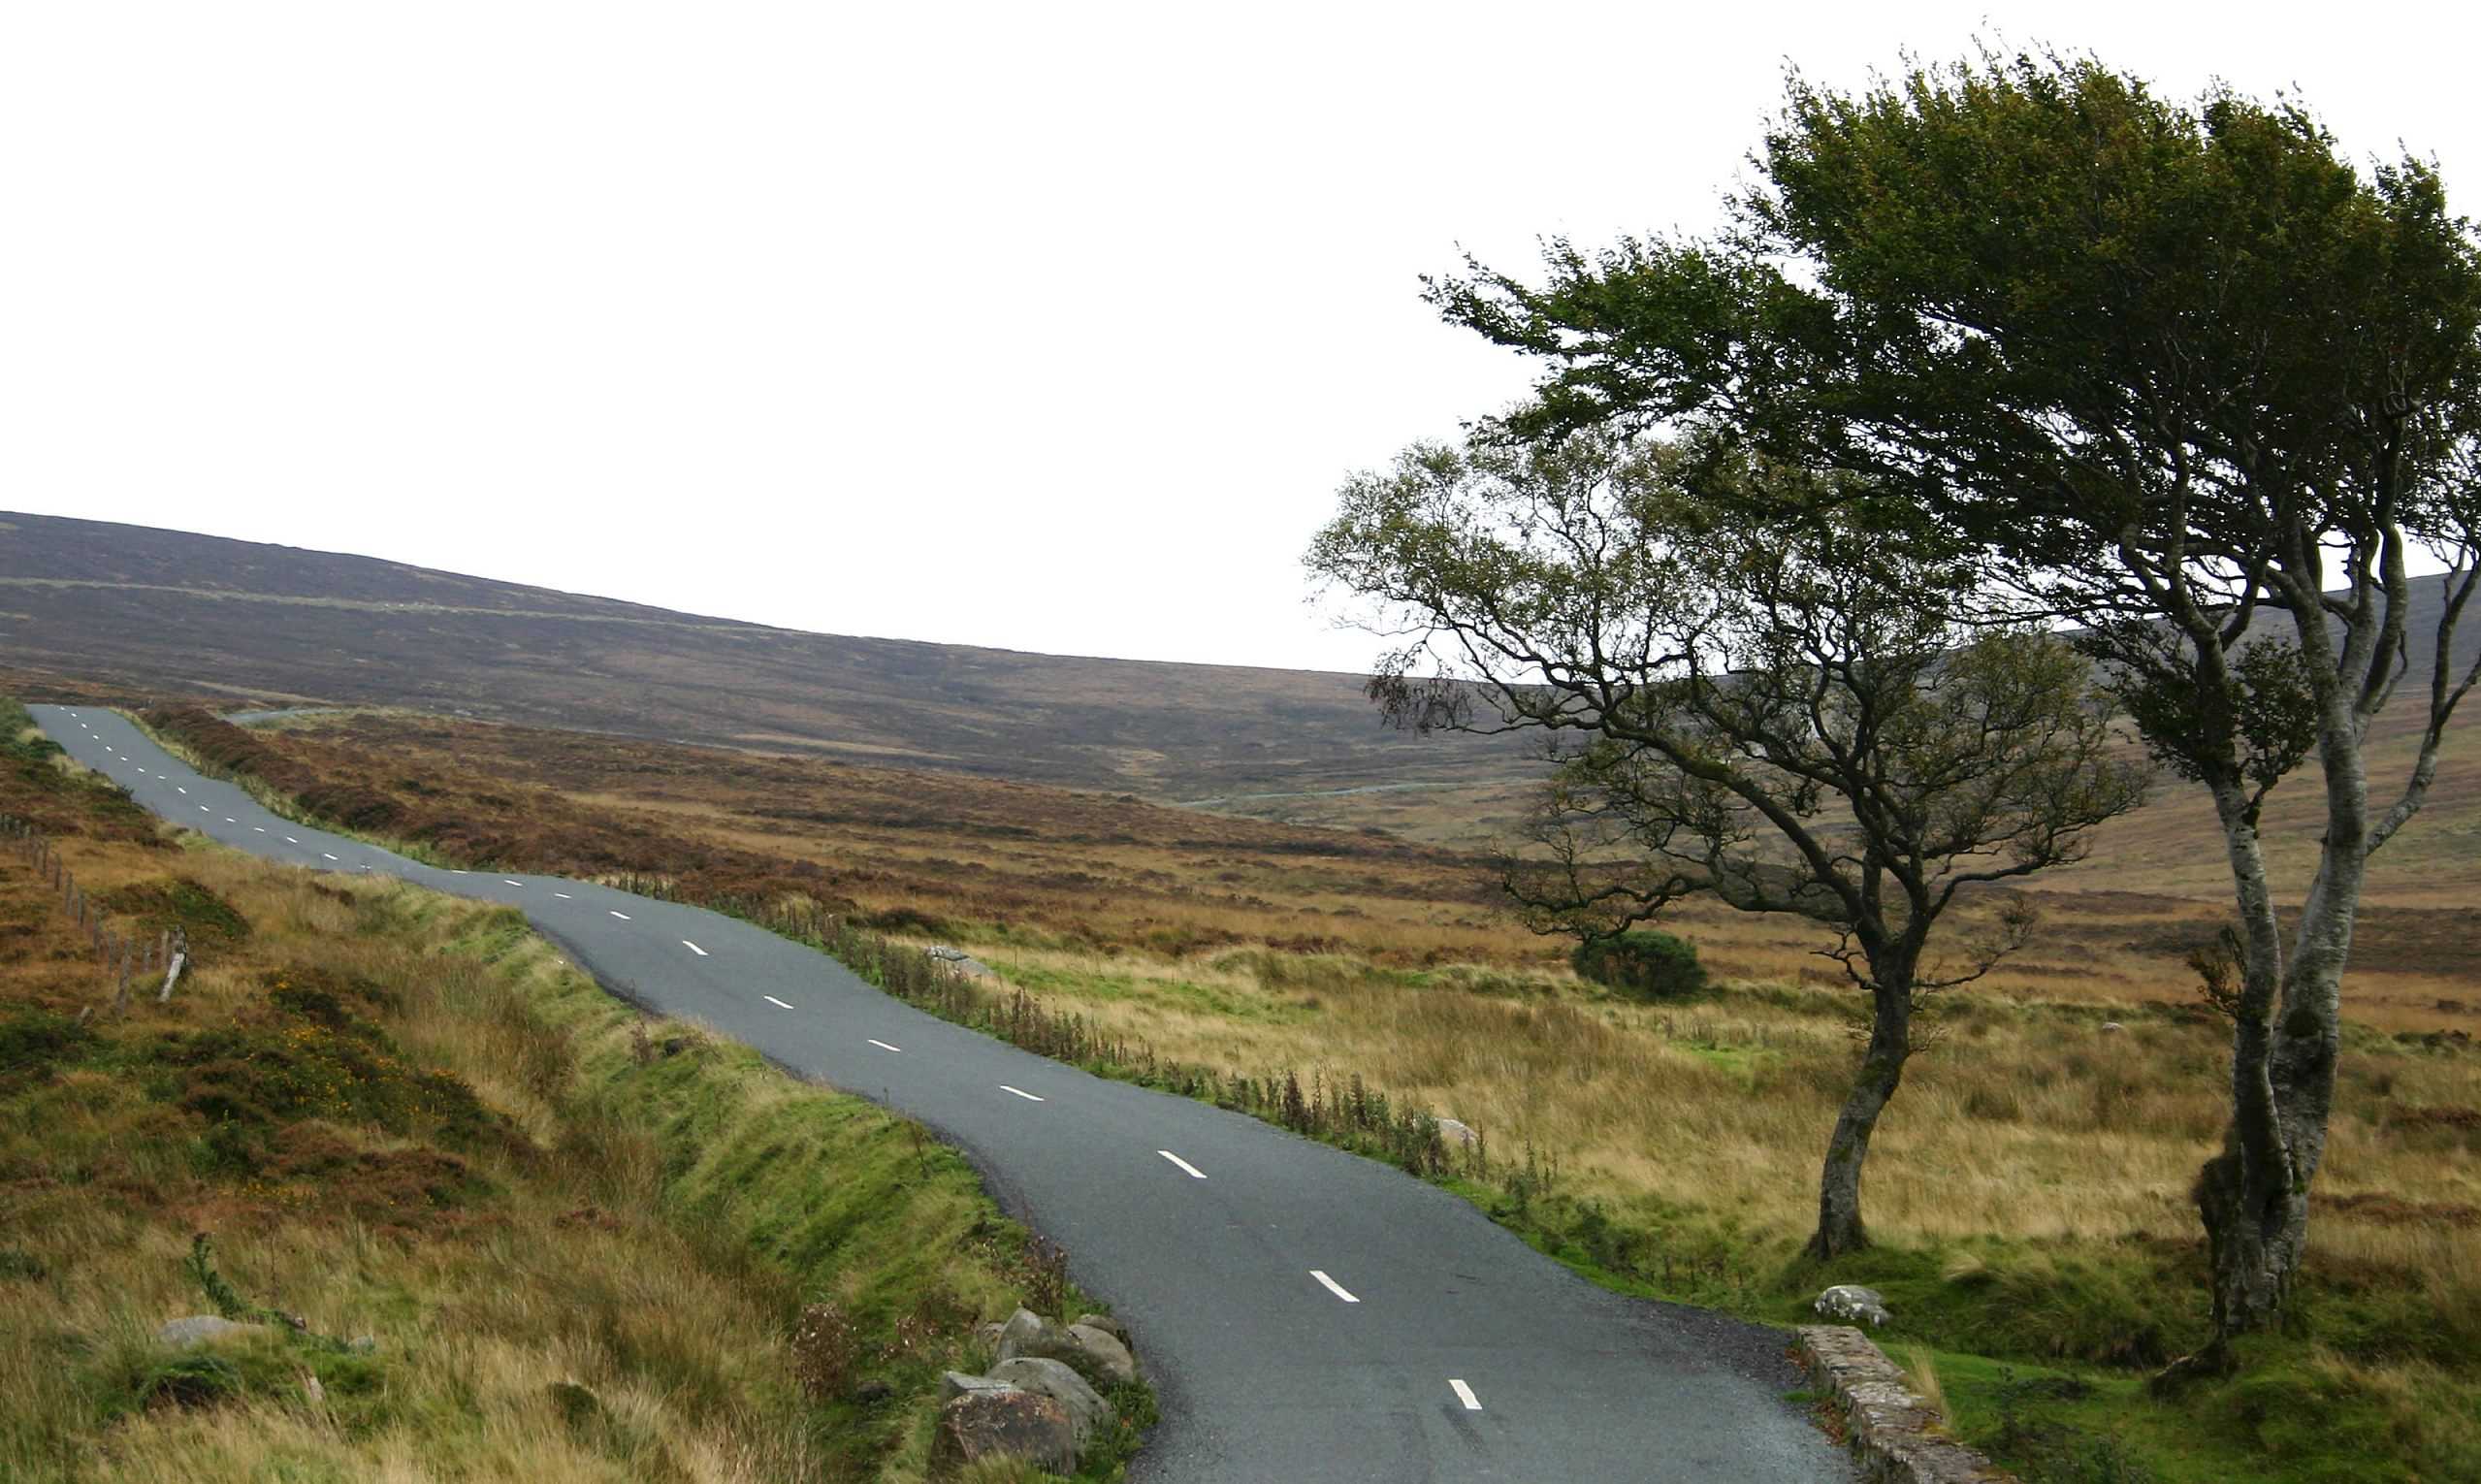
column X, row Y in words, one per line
column 1331, row 922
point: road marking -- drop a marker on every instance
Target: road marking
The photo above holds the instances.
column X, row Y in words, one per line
column 229, row 820
column 1332, row 1287
column 289, row 840
column 563, row 896
column 505, row 880
column 623, row 915
column 1020, row 1092
column 323, row 852
column 1465, row 1394
column 261, row 828
column 203, row 809
column 772, row 1000
column 693, row 947
column 1195, row 1173
column 177, row 785
column 882, row 1045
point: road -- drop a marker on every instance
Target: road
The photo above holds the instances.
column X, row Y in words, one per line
column 1305, row 1315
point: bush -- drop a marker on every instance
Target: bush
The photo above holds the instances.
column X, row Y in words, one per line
column 1642, row 963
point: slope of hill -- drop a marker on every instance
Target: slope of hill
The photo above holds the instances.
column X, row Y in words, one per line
column 164, row 610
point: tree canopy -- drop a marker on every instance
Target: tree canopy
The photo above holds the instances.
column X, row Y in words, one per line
column 2183, row 375
column 1793, row 712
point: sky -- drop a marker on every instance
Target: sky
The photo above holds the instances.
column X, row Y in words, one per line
column 1046, row 327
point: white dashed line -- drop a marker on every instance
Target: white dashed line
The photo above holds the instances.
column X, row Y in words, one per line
column 563, row 896
column 1465, row 1394
column 505, row 882
column 1332, row 1287
column 623, row 915
column 1020, row 1092
column 1194, row 1172
column 772, row 1000
column 177, row 785
column 323, row 852
column 882, row 1045
column 693, row 947
column 203, row 809
column 229, row 820
column 261, row 828
column 289, row 840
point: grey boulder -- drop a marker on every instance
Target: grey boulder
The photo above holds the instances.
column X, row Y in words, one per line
column 987, row 1426
column 1852, row 1304
column 1089, row 1414
column 199, row 1328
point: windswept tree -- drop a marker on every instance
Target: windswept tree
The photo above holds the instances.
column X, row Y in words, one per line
column 2191, row 381
column 1789, row 715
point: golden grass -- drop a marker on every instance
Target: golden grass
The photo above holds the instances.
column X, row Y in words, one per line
column 2028, row 1122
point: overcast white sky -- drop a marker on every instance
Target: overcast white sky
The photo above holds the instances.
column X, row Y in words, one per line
column 1050, row 326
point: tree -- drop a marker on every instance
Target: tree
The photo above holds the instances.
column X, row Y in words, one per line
column 2190, row 379
column 1789, row 715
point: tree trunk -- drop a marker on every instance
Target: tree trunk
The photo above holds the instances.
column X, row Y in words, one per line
column 1840, row 1229
column 2286, row 1036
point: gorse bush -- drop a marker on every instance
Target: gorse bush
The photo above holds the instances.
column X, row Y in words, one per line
column 1643, row 963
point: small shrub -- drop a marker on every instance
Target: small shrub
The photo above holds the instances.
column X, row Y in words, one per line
column 1642, row 963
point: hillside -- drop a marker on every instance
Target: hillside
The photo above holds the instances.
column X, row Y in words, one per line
column 164, row 610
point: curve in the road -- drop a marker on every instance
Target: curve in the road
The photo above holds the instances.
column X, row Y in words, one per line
column 1306, row 1314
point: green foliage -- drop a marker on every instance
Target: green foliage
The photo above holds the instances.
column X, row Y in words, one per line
column 1643, row 962
column 179, row 904
column 34, row 1043
column 306, row 1053
column 20, row 737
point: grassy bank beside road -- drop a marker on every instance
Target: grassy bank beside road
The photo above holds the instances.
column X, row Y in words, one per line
column 504, row 1227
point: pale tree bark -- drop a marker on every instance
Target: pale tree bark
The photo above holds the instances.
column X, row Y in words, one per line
column 1840, row 1229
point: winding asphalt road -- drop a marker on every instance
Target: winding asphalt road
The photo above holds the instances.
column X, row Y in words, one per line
column 1305, row 1315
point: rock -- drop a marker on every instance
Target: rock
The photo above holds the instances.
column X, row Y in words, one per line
column 1457, row 1131
column 199, row 1328
column 1020, row 1326
column 1087, row 1412
column 1108, row 1352
column 956, row 1384
column 986, row 1336
column 1005, row 1424
column 1854, row 1304
column 1090, row 1352
column 1104, row 1322
column 956, row 960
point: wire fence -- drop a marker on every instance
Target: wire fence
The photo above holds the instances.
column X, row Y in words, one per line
column 127, row 952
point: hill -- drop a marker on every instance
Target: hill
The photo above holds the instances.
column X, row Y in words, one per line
column 155, row 610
